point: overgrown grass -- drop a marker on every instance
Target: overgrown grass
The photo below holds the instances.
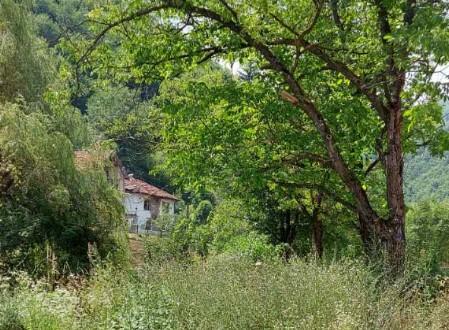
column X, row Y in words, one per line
column 227, row 292
column 33, row 306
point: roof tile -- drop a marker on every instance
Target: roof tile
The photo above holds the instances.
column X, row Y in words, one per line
column 141, row 187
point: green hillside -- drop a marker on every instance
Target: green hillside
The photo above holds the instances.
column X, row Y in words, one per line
column 427, row 176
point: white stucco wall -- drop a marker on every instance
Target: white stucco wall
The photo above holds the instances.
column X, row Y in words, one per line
column 134, row 208
column 134, row 204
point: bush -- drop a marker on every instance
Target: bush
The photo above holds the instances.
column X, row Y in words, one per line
column 191, row 237
column 226, row 231
column 427, row 234
column 49, row 208
column 163, row 249
column 254, row 246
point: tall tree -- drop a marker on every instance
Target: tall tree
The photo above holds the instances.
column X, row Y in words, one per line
column 237, row 137
column 317, row 54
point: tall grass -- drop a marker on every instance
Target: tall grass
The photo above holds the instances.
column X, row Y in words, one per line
column 33, row 306
column 226, row 292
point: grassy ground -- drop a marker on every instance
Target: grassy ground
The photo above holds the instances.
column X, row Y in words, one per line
column 226, row 292
column 137, row 250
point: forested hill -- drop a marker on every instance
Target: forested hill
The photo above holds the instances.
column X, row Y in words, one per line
column 427, row 176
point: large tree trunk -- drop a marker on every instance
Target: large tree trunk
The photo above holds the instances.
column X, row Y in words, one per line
column 389, row 234
column 394, row 228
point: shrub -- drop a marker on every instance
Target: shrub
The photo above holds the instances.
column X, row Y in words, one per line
column 50, row 209
column 254, row 246
column 163, row 249
column 191, row 237
column 427, row 233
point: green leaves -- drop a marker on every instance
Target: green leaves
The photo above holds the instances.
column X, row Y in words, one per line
column 46, row 198
column 25, row 68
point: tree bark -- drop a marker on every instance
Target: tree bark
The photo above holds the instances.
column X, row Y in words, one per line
column 317, row 228
column 389, row 234
column 288, row 231
column 318, row 236
column 394, row 229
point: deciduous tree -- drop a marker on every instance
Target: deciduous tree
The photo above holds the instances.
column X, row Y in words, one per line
column 319, row 54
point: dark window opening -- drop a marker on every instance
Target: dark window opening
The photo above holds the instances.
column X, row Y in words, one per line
column 146, row 205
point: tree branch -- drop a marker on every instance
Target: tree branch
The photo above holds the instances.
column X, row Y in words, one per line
column 342, row 68
column 128, row 18
column 336, row 16
column 322, row 189
column 316, row 16
column 409, row 12
column 228, row 7
column 393, row 92
column 371, row 166
column 293, row 159
column 356, row 80
column 285, row 25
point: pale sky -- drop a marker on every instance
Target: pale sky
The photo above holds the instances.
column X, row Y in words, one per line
column 442, row 74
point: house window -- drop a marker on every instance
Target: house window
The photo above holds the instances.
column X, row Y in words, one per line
column 146, row 205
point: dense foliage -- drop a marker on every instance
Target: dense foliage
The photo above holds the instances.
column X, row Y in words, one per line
column 47, row 205
column 51, row 211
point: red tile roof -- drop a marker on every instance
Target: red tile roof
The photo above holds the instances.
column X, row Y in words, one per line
column 141, row 187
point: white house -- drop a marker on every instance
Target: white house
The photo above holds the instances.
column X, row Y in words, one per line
column 144, row 203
